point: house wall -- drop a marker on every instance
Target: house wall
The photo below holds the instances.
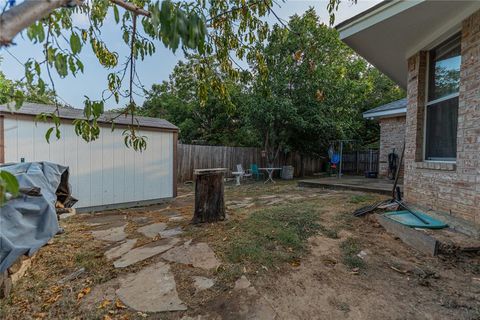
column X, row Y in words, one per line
column 392, row 135
column 447, row 187
column 102, row 172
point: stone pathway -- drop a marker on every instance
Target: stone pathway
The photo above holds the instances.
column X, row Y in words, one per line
column 120, row 250
column 168, row 233
column 144, row 252
column 153, row 289
column 202, row 283
column 152, row 230
column 111, row 234
column 198, row 255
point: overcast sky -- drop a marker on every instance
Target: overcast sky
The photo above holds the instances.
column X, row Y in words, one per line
column 153, row 69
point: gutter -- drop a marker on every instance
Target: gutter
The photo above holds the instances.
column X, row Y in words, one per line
column 385, row 114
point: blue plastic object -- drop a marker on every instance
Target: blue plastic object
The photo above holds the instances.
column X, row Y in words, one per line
column 335, row 158
column 409, row 220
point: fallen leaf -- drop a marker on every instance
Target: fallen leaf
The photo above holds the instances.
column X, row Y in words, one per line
column 107, row 317
column 295, row 263
column 225, row 239
column 265, row 268
column 105, row 303
column 83, row 293
column 53, row 299
column 40, row 315
column 119, row 304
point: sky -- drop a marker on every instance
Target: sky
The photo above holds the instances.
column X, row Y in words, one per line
column 154, row 69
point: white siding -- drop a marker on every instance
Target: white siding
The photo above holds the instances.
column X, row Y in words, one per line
column 102, row 172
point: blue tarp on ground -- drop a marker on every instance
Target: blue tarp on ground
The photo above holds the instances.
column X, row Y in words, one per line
column 29, row 222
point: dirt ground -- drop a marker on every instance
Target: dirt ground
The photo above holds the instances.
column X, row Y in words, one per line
column 335, row 266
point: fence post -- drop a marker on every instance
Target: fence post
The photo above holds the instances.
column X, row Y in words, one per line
column 357, row 161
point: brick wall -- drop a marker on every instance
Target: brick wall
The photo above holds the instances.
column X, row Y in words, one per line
column 392, row 134
column 450, row 188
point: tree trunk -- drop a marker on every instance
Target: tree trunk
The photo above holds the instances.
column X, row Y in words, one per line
column 209, row 195
column 25, row 14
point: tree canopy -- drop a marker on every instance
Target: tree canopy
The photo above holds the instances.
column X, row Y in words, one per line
column 310, row 90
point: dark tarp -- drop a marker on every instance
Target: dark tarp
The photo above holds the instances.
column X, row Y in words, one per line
column 29, row 221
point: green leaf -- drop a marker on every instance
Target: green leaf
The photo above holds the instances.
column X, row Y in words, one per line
column 37, row 68
column 41, row 87
column 8, row 183
column 75, row 43
column 116, row 14
column 61, row 65
column 48, row 134
column 80, row 65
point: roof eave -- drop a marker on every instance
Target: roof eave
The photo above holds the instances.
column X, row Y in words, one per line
column 385, row 114
column 374, row 15
column 395, row 31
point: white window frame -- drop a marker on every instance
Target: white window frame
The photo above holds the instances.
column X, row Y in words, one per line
column 430, row 103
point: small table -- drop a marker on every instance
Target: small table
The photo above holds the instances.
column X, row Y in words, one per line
column 270, row 173
column 238, row 175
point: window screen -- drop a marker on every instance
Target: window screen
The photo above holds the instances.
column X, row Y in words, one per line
column 442, row 105
column 441, row 142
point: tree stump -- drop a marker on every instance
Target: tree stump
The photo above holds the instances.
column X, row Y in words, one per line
column 209, row 195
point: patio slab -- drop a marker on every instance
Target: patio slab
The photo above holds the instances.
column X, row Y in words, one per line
column 153, row 289
column 355, row 183
column 147, row 251
column 111, row 233
column 152, row 230
column 199, row 255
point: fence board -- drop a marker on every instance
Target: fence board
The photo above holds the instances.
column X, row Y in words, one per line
column 358, row 162
column 192, row 157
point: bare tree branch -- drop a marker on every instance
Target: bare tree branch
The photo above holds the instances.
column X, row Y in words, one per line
column 131, row 7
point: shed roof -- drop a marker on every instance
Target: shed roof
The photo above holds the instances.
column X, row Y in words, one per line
column 392, row 109
column 34, row 109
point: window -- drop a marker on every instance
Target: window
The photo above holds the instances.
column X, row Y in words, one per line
column 442, row 102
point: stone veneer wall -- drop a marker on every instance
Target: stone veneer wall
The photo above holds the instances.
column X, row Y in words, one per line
column 450, row 188
column 392, row 135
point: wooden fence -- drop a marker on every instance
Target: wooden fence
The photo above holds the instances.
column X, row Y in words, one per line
column 192, row 157
column 360, row 161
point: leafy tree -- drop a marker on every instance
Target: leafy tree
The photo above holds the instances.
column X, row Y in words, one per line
column 10, row 90
column 215, row 29
column 315, row 90
column 216, row 121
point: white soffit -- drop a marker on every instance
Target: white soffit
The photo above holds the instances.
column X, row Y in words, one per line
column 386, row 114
column 391, row 33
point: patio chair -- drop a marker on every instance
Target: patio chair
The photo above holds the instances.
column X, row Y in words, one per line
column 254, row 171
column 245, row 174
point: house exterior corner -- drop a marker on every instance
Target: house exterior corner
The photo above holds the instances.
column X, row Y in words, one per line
column 452, row 187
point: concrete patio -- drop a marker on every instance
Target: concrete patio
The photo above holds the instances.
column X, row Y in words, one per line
column 356, row 183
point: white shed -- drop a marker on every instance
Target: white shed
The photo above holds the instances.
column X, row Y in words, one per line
column 104, row 173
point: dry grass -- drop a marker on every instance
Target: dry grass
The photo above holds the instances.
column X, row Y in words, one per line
column 257, row 241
